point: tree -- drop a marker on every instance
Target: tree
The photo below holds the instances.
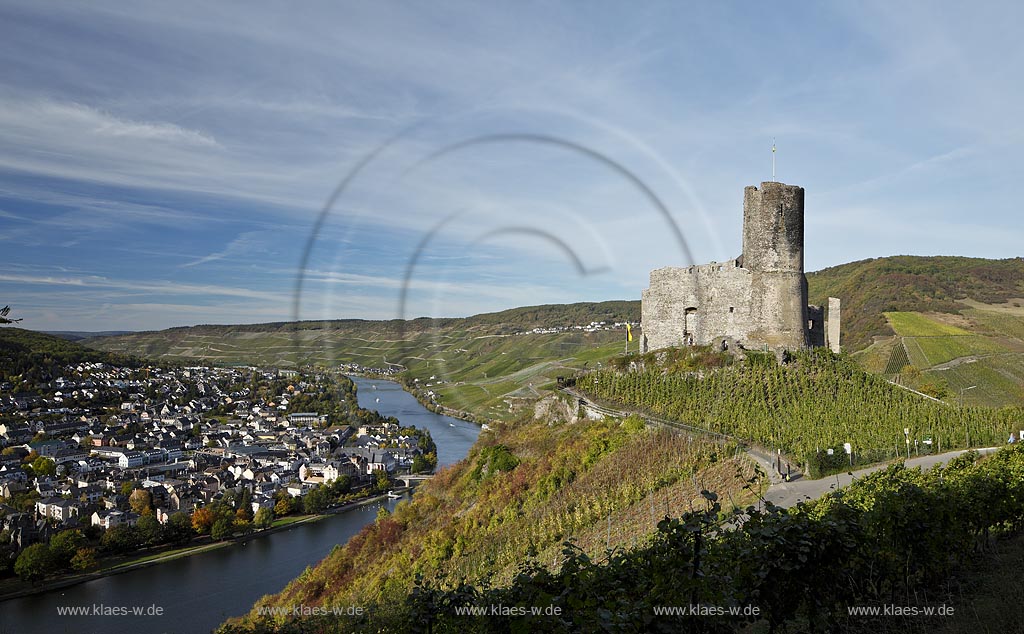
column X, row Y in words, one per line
column 283, row 507
column 34, row 563
column 127, row 487
column 84, row 559
column 149, row 530
column 222, row 529
column 263, row 518
column 179, row 529
column 383, row 480
column 119, row 539
column 141, row 501
column 420, row 464
column 245, row 502
column 316, row 501
column 202, row 520
column 64, row 545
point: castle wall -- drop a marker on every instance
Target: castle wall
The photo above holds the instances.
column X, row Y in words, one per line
column 834, row 316
column 816, row 326
column 716, row 296
column 759, row 299
column 779, row 308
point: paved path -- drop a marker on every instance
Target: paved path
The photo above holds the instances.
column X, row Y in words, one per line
column 789, row 493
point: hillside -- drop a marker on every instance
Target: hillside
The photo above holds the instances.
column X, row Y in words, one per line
column 524, row 489
column 481, row 366
column 813, row 404
column 871, row 288
column 950, row 327
column 25, row 351
column 489, row 530
column 489, row 364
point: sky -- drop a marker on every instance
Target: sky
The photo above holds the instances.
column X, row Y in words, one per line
column 170, row 164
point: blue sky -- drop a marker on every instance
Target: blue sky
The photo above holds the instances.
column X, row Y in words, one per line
column 165, row 164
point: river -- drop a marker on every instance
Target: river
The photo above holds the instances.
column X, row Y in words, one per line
column 198, row 593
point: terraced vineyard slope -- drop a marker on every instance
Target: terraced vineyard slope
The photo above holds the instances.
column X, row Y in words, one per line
column 807, row 408
column 524, row 489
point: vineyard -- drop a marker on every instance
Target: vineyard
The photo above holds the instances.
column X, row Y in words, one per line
column 524, row 489
column 817, row 401
column 897, row 536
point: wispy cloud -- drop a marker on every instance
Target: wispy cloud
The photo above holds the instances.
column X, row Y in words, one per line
column 158, row 288
column 244, row 243
column 185, row 151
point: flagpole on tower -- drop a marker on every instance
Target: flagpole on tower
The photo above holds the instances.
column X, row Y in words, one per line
column 773, row 159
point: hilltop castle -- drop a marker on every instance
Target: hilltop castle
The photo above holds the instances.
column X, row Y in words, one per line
column 758, row 300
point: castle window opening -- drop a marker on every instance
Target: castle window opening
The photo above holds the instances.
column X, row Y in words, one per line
column 732, row 308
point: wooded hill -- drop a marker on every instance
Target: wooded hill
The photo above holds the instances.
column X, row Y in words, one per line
column 26, row 352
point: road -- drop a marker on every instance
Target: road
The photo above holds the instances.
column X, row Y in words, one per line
column 790, row 493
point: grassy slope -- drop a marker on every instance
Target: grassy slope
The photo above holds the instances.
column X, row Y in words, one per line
column 982, row 346
column 573, row 479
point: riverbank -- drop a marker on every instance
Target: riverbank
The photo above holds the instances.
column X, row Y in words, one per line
column 171, row 554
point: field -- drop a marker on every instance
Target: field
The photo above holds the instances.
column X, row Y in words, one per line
column 918, row 325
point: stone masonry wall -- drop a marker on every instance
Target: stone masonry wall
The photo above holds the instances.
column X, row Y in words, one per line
column 719, row 293
column 834, row 320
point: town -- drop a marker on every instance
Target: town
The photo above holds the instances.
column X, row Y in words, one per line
column 100, row 459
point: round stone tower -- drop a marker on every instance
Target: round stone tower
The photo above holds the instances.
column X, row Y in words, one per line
column 773, row 228
column 773, row 251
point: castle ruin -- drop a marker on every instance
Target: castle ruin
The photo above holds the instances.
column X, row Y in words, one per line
column 758, row 300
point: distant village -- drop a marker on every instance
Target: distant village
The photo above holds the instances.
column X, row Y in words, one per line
column 593, row 326
column 81, row 450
